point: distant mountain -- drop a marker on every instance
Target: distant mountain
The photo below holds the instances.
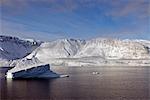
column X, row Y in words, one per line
column 12, row 48
column 99, row 50
column 105, row 48
column 62, row 48
column 114, row 49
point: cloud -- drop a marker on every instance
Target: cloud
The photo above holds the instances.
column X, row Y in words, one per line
column 137, row 12
column 52, row 5
column 138, row 8
column 114, row 8
column 18, row 29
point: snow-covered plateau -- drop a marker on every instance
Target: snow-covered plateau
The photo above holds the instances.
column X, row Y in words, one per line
column 74, row 52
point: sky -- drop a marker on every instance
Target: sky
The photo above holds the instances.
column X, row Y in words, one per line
column 83, row 19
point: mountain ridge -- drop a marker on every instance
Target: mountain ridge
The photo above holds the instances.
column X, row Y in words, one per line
column 103, row 48
column 12, row 48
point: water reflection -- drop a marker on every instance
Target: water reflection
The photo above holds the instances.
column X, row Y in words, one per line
column 29, row 88
column 113, row 83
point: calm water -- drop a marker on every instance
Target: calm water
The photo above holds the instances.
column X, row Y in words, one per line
column 113, row 83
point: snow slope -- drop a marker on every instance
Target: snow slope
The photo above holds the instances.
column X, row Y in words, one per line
column 63, row 48
column 112, row 48
column 12, row 48
column 145, row 43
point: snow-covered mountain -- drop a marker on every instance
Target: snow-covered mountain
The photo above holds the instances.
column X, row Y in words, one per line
column 12, row 48
column 145, row 43
column 113, row 48
column 62, row 48
column 104, row 48
column 96, row 51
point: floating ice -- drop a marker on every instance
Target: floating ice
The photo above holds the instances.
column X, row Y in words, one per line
column 39, row 71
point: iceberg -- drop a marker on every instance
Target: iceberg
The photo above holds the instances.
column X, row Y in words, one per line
column 38, row 71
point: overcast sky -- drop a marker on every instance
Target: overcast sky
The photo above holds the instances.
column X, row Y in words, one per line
column 84, row 19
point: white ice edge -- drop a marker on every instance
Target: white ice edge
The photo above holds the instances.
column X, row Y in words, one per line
column 42, row 71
